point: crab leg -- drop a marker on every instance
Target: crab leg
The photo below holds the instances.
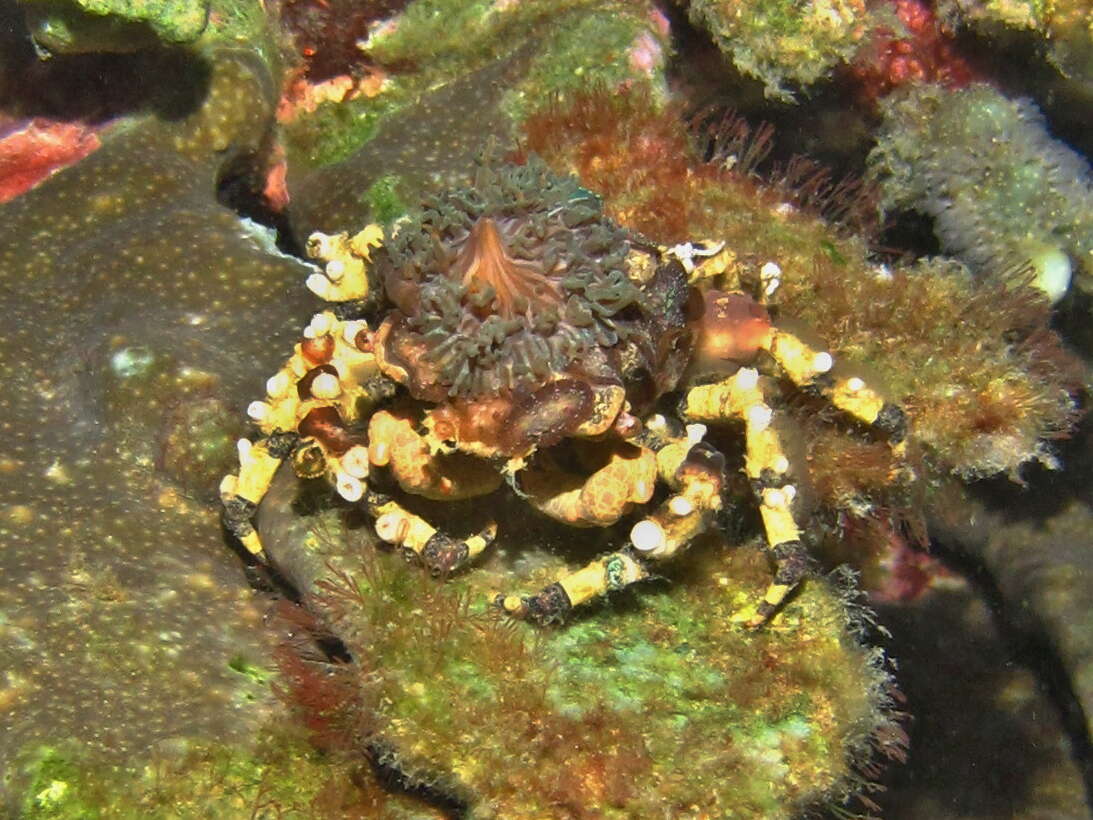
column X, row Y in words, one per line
column 242, row 493
column 687, row 465
column 552, row 603
column 329, row 376
column 807, row 367
column 438, row 552
column 741, row 396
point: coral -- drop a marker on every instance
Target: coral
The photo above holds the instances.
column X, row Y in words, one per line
column 1001, row 191
column 914, row 51
column 784, row 44
column 125, row 280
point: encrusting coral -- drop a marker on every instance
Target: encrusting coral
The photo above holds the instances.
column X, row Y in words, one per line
column 122, row 613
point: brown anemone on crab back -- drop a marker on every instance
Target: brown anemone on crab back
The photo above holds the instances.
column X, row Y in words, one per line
column 525, row 315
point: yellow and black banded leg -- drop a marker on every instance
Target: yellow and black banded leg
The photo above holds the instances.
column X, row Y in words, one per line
column 241, row 494
column 792, row 563
column 420, row 541
column 553, row 603
column 689, row 466
column 768, row 469
column 810, row 368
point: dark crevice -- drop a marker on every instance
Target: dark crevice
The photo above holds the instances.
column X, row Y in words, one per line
column 1033, row 649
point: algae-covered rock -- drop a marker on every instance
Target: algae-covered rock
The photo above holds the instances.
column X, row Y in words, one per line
column 86, row 26
column 454, row 76
column 1002, row 193
column 651, row 700
column 783, row 43
column 69, row 26
column 277, row 774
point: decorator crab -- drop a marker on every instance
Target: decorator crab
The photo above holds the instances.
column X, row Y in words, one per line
column 511, row 332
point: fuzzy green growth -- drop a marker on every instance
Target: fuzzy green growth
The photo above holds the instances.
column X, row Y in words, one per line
column 384, row 201
column 1002, row 192
column 783, row 43
column 650, row 700
column 281, row 775
column 93, row 25
column 552, row 48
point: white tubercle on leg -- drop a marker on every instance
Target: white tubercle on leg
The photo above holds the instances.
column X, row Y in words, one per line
column 278, row 385
column 759, row 417
column 349, row 488
column 681, row 506
column 355, row 461
column 391, row 527
column 259, row 410
column 647, row 536
column 747, row 378
column 326, row 386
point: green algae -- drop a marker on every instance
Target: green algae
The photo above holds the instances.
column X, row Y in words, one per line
column 85, row 26
column 280, row 775
column 652, row 699
column 784, row 43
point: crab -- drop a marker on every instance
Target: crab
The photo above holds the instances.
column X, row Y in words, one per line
column 511, row 332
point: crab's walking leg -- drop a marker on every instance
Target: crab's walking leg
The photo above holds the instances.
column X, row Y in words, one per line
column 696, row 472
column 552, row 603
column 327, row 378
column 741, row 396
column 242, row 493
column 808, row 367
column 438, row 552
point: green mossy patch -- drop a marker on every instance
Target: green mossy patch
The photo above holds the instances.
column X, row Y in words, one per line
column 651, row 699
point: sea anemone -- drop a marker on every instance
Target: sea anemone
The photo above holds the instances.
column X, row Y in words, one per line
column 518, row 281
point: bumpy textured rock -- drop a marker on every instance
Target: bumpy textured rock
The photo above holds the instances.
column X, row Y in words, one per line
column 135, row 304
column 1036, row 548
column 782, row 43
column 651, row 699
column 986, row 738
column 114, row 25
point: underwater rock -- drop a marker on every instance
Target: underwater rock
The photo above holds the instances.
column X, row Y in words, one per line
column 984, row 378
column 1036, row 547
column 445, row 78
column 1002, row 193
column 80, row 26
column 1062, row 28
column 649, row 700
column 986, row 739
column 131, row 295
column 786, row 45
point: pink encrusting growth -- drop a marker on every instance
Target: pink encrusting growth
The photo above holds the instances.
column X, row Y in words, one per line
column 922, row 52
column 34, row 150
